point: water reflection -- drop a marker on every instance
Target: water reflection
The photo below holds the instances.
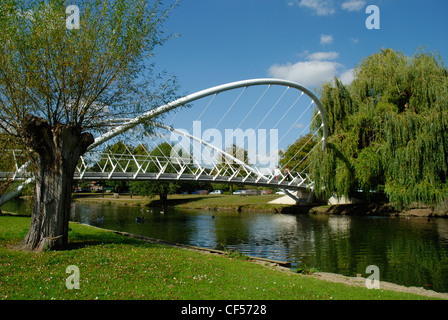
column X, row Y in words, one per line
column 442, row 228
column 339, row 224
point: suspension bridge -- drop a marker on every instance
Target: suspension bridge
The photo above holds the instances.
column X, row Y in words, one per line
column 236, row 132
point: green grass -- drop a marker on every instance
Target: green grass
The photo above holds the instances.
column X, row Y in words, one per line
column 118, row 267
column 230, row 202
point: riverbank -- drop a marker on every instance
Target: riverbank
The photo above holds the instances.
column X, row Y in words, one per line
column 120, row 267
column 260, row 203
column 249, row 203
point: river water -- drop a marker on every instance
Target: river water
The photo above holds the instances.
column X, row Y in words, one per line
column 407, row 251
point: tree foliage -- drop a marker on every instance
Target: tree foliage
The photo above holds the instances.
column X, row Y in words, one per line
column 296, row 156
column 388, row 130
column 79, row 77
column 60, row 86
column 152, row 188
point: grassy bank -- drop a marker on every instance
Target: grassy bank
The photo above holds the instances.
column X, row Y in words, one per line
column 117, row 267
column 256, row 203
column 259, row 203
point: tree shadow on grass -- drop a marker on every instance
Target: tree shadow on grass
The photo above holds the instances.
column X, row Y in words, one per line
column 79, row 239
column 79, row 235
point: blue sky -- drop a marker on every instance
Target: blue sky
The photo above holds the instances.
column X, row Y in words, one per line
column 308, row 41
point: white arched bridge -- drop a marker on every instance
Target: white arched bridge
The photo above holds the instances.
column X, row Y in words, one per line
column 236, row 131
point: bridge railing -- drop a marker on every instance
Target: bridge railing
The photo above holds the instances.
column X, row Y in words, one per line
column 110, row 166
column 107, row 166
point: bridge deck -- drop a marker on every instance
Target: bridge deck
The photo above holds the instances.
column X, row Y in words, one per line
column 295, row 184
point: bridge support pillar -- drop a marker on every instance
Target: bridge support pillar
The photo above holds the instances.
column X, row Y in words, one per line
column 292, row 196
column 311, row 198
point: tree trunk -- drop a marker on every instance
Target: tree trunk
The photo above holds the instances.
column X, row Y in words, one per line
column 55, row 153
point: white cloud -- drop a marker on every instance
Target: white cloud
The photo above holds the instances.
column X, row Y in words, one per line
column 314, row 72
column 332, row 55
column 321, row 7
column 347, row 76
column 353, row 5
column 307, row 73
column 326, row 39
column 327, row 7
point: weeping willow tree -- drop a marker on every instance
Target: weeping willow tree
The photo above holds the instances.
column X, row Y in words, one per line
column 388, row 130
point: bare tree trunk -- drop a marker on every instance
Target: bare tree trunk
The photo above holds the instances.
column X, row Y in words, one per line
column 56, row 151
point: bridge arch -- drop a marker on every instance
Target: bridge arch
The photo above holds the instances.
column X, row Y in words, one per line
column 208, row 92
column 149, row 117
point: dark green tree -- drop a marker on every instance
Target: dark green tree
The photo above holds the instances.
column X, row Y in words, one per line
column 388, row 130
column 296, row 156
column 160, row 188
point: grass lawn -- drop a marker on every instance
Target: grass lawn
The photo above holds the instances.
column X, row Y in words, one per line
column 117, row 267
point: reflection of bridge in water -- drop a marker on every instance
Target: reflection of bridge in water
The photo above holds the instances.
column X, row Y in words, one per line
column 202, row 157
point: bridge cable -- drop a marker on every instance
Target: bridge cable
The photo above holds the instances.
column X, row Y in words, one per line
column 250, row 111
column 284, row 115
column 267, row 114
column 295, row 123
column 228, row 110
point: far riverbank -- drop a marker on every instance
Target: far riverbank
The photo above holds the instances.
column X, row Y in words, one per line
column 259, row 203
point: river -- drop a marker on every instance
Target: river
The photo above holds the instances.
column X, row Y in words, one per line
column 407, row 251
